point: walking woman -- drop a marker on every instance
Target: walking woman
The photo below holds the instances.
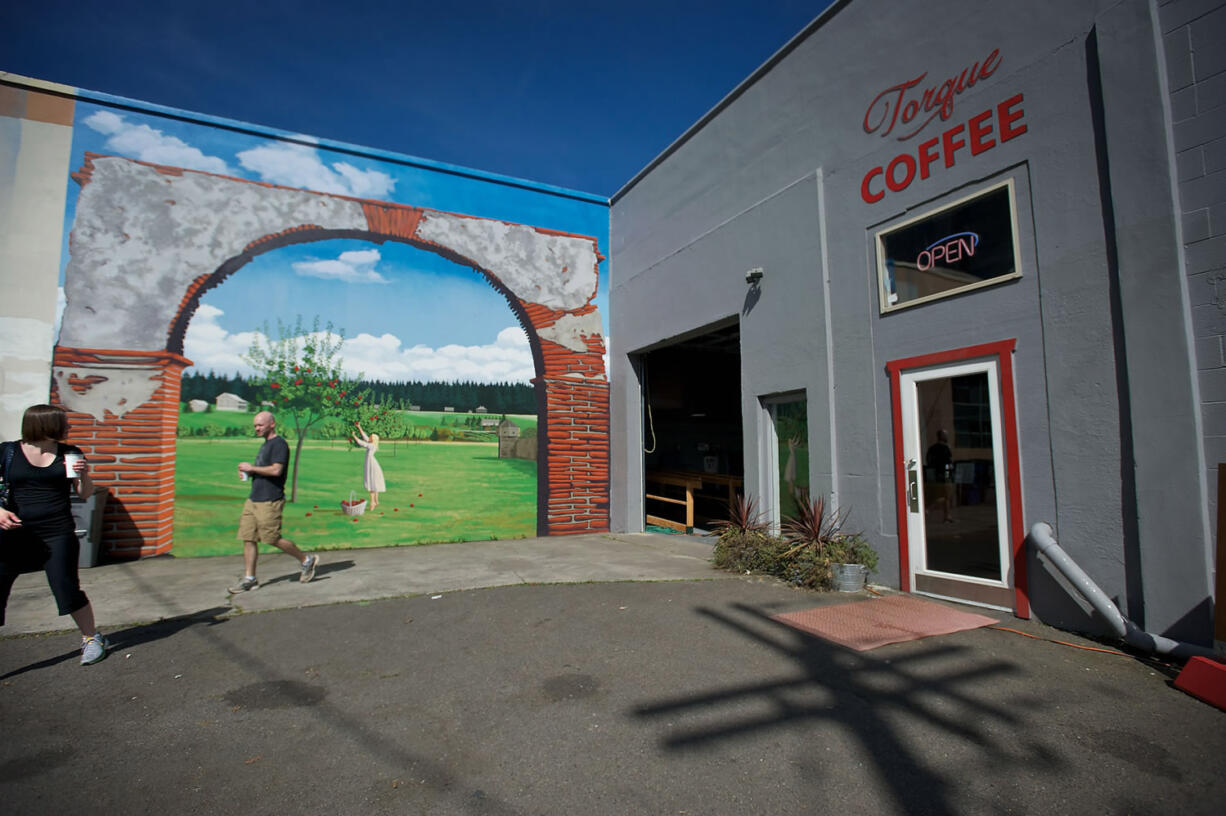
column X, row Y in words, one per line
column 372, row 473
column 36, row 525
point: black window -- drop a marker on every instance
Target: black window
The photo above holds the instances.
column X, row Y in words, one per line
column 965, row 245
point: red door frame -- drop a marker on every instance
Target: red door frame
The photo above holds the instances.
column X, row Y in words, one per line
column 1002, row 351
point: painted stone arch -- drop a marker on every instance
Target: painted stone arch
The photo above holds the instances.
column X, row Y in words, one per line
column 148, row 240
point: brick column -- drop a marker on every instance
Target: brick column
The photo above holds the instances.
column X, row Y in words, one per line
column 576, row 443
column 123, row 411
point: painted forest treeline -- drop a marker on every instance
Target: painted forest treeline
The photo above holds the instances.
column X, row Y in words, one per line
column 497, row 398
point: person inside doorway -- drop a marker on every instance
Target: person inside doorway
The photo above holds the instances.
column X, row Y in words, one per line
column 940, row 464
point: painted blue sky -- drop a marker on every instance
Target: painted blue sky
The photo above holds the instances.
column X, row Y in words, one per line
column 577, row 95
column 407, row 314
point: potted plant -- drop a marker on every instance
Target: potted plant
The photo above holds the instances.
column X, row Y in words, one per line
column 852, row 558
column 835, row 557
column 743, row 541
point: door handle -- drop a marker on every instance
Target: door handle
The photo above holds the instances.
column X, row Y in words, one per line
column 912, row 487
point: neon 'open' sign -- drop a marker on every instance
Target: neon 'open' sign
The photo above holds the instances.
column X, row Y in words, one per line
column 950, row 249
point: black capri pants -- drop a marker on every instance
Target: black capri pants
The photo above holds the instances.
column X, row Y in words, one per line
column 55, row 552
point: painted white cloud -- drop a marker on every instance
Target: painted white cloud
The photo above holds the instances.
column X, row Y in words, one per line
column 508, row 359
column 356, row 266
column 297, row 165
column 360, row 256
column 211, row 348
column 152, row 145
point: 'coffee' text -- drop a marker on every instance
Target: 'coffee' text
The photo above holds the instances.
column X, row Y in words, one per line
column 975, row 134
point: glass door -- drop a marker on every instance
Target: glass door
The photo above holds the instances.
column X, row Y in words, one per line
column 957, row 513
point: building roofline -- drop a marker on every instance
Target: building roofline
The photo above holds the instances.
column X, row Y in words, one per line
column 138, row 106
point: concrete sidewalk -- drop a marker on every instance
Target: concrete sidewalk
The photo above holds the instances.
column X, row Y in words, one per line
column 167, row 587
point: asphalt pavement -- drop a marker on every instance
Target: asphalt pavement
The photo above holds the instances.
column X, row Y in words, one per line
column 614, row 674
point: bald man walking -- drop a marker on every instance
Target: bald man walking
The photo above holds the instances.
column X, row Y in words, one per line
column 261, row 518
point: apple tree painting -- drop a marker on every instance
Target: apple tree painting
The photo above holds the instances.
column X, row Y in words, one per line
column 302, row 382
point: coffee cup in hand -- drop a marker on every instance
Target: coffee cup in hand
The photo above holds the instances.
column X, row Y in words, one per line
column 70, row 464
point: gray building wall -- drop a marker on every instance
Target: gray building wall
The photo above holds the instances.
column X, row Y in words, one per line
column 1107, row 394
column 1194, row 42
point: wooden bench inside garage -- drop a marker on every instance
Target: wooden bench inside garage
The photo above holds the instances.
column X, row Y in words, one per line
column 686, row 486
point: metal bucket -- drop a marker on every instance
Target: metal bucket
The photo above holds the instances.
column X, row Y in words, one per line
column 849, row 577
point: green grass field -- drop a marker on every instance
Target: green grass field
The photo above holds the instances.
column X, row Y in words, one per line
column 437, row 491
column 241, row 421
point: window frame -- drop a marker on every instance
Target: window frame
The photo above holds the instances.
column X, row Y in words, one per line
column 883, row 295
column 771, row 484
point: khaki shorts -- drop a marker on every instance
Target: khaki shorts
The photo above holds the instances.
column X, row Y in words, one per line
column 261, row 521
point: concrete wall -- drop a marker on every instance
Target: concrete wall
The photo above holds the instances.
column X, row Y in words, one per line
column 1106, row 393
column 35, row 140
column 1192, row 37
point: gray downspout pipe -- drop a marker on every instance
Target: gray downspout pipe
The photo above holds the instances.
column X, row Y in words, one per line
column 1045, row 542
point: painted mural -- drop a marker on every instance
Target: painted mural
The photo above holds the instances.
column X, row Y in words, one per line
column 442, row 325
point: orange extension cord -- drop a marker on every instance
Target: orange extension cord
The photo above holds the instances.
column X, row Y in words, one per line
column 1036, row 637
column 1061, row 642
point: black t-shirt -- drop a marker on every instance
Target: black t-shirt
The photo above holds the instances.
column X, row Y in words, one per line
column 40, row 495
column 940, row 457
column 270, row 488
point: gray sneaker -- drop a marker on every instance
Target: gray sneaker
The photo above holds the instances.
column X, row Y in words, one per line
column 93, row 648
column 308, row 568
column 244, row 585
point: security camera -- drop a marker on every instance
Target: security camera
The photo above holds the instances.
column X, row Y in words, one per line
column 754, row 276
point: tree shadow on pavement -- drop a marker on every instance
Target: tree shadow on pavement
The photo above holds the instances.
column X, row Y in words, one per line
column 275, row 689
column 879, row 702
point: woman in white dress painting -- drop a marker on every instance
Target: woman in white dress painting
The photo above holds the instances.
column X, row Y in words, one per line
column 372, row 472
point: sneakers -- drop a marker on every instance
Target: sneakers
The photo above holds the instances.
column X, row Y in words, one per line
column 308, row 572
column 93, row 648
column 244, row 585
column 308, row 568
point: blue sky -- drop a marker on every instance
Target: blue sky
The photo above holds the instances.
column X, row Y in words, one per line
column 572, row 94
column 566, row 94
